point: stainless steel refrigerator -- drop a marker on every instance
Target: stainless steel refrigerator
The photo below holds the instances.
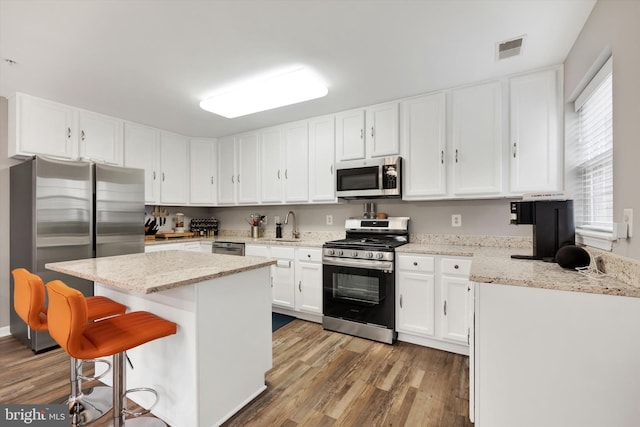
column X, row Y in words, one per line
column 65, row 210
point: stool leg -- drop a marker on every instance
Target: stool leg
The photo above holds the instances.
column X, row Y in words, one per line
column 119, row 390
column 86, row 405
column 119, row 377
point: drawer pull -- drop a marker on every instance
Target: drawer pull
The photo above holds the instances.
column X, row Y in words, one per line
column 308, row 255
column 415, row 263
column 456, row 266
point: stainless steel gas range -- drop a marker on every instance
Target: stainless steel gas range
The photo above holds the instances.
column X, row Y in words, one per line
column 359, row 278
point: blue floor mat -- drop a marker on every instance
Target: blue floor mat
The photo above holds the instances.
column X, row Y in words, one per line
column 279, row 320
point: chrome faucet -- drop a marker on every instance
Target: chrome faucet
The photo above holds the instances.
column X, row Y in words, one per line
column 295, row 232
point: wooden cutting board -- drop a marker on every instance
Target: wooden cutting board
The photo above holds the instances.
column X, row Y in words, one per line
column 170, row 235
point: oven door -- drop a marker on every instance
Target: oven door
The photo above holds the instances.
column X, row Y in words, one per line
column 359, row 294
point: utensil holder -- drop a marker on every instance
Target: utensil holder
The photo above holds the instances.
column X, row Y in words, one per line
column 255, row 231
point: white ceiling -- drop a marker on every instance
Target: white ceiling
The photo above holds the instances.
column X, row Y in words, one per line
column 153, row 61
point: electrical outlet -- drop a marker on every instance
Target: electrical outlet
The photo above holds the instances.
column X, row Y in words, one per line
column 627, row 218
column 329, row 219
column 456, row 220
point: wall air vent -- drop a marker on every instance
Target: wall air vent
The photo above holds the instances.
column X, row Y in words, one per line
column 509, row 48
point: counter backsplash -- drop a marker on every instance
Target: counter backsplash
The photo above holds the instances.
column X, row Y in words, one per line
column 627, row 270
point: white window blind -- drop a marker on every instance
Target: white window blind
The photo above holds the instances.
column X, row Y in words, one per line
column 594, row 153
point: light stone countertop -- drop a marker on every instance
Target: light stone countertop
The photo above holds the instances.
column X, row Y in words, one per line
column 157, row 271
column 495, row 265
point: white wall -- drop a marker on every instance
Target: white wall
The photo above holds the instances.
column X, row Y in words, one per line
column 613, row 27
column 5, row 163
column 479, row 217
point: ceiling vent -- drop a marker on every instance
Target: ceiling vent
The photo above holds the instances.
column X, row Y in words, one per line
column 509, row 48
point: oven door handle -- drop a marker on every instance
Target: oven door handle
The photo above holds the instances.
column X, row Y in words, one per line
column 359, row 263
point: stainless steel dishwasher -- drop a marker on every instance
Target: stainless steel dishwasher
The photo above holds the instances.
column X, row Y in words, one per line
column 227, row 248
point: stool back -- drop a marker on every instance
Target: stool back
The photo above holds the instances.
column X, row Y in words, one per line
column 67, row 316
column 28, row 298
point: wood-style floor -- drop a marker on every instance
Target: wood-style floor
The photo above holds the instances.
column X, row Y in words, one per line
column 319, row 378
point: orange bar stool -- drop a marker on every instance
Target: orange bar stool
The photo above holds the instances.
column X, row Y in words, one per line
column 68, row 326
column 29, row 298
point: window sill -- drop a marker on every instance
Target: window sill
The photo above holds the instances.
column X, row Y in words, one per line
column 596, row 239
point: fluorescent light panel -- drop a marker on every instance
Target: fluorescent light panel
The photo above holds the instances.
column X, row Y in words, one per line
column 273, row 92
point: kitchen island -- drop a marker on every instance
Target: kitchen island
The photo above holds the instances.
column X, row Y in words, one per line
column 551, row 346
column 216, row 362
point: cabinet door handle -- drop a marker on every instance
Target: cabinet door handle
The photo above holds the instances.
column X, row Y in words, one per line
column 271, row 278
column 238, row 178
column 361, row 133
column 154, row 175
column 233, row 179
column 212, row 179
column 331, row 169
column 82, row 136
column 68, row 133
column 278, row 173
column 286, row 174
column 515, row 146
column 442, row 157
column 300, row 286
column 400, row 300
column 456, row 155
column 371, row 131
column 468, row 336
column 162, row 176
column 445, row 307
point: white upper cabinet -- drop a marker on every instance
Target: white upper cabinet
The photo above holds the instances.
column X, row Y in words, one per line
column 295, row 157
column 367, row 133
column 535, row 143
column 238, row 170
column 248, row 168
column 174, row 168
column 101, row 138
column 382, row 130
column 38, row 126
column 322, row 179
column 227, row 185
column 141, row 151
column 203, row 178
column 350, row 135
column 477, row 139
column 424, row 147
column 272, row 168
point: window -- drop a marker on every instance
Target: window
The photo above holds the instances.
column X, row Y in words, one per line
column 593, row 157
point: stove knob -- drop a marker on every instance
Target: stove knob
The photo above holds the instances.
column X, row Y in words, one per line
column 379, row 255
column 354, row 254
column 331, row 251
column 369, row 254
column 340, row 253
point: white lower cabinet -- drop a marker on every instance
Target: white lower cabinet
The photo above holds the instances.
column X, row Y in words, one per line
column 454, row 294
column 309, row 280
column 415, row 295
column 432, row 301
column 157, row 247
column 283, row 276
column 296, row 279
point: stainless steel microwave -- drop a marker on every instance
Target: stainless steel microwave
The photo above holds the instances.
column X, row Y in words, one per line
column 371, row 178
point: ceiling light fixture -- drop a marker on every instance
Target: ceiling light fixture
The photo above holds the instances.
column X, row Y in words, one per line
column 272, row 92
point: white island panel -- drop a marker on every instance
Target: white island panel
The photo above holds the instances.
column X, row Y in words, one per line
column 216, row 362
